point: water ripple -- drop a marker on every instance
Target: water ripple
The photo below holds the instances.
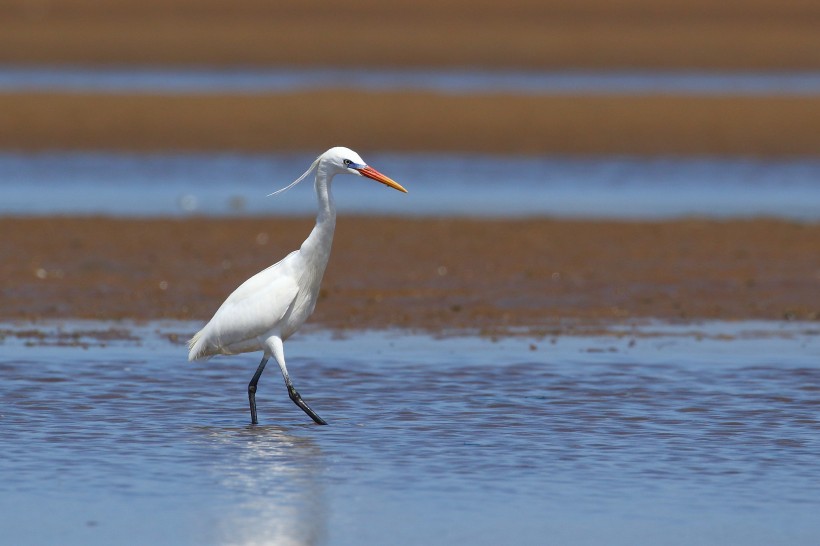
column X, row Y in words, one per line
column 473, row 424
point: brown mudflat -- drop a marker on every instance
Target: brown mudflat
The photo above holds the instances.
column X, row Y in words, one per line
column 404, row 121
column 732, row 34
column 429, row 274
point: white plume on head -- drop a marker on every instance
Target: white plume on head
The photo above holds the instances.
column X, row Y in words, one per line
column 307, row 172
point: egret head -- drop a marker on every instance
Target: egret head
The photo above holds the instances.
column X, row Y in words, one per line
column 341, row 160
column 345, row 160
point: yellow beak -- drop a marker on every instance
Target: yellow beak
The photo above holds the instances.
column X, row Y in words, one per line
column 370, row 172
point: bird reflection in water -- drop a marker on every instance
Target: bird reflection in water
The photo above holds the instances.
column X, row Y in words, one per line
column 276, row 480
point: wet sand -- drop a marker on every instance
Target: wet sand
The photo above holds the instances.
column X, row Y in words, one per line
column 494, row 276
column 736, row 34
column 407, row 121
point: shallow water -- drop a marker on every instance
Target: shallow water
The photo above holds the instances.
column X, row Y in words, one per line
column 704, row 434
column 451, row 184
column 271, row 80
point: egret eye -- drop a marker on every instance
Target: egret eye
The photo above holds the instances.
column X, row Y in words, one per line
column 347, row 162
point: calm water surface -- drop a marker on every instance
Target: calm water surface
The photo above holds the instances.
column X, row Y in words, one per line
column 271, row 80
column 705, row 434
column 446, row 184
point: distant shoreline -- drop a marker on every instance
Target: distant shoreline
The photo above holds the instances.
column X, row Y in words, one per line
column 699, row 34
column 413, row 121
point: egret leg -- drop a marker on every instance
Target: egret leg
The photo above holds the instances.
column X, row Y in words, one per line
column 297, row 399
column 277, row 350
column 252, row 388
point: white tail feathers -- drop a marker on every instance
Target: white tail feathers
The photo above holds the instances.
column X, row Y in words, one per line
column 196, row 347
column 289, row 186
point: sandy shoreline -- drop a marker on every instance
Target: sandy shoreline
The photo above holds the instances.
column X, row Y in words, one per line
column 425, row 274
column 735, row 34
column 414, row 121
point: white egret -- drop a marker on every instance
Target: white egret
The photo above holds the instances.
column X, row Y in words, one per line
column 270, row 306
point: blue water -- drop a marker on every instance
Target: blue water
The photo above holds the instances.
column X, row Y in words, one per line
column 445, row 184
column 249, row 80
column 651, row 434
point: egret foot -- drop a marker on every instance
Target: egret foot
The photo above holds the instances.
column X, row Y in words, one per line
column 297, row 399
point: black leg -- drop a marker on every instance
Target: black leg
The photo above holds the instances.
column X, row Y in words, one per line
column 297, row 399
column 252, row 389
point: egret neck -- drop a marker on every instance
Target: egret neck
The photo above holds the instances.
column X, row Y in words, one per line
column 316, row 248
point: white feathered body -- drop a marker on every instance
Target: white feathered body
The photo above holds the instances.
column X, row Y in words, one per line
column 275, row 301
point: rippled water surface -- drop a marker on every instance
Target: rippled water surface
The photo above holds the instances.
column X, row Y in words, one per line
column 705, row 434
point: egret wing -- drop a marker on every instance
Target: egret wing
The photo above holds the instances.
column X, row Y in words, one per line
column 254, row 309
